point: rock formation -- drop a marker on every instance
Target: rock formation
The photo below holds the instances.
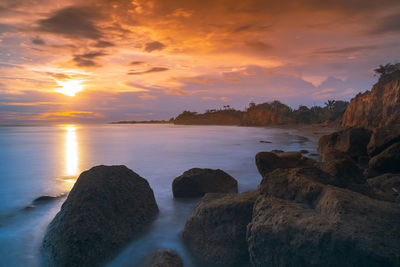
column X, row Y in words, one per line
column 216, row 229
column 107, row 207
column 376, row 108
column 197, row 182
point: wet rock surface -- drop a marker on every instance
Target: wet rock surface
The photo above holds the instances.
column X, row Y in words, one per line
column 107, row 207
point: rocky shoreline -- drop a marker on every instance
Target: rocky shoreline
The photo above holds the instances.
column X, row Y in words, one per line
column 344, row 210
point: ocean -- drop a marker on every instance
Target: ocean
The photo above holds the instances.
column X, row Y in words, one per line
column 46, row 160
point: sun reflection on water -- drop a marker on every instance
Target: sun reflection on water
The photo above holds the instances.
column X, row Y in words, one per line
column 71, row 151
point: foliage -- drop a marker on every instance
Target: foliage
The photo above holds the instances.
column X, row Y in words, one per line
column 387, row 70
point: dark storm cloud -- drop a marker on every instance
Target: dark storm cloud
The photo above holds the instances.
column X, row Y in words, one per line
column 152, row 46
column 387, row 24
column 87, row 60
column 345, row 50
column 38, row 41
column 154, row 69
column 72, row 22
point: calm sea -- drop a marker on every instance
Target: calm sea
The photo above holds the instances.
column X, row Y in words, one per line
column 46, row 160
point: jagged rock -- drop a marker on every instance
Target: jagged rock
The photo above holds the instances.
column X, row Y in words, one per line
column 197, row 182
column 351, row 142
column 267, row 161
column 312, row 224
column 375, row 108
column 216, row 229
column 162, row 258
column 387, row 161
column 107, row 207
column 382, row 138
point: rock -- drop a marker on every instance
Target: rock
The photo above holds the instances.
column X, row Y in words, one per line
column 277, row 151
column 387, row 161
column 265, row 142
column 376, row 108
column 162, row 258
column 304, row 151
column 344, row 170
column 352, row 142
column 388, row 184
column 216, row 229
column 45, row 199
column 382, row 138
column 267, row 161
column 107, row 207
column 312, row 224
column 197, row 182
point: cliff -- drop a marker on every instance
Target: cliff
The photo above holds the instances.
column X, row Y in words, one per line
column 220, row 117
column 378, row 107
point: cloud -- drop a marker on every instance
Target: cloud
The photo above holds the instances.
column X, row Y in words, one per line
column 389, row 24
column 259, row 46
column 103, row 44
column 38, row 41
column 176, row 91
column 72, row 22
column 153, row 46
column 346, row 50
column 86, row 60
column 154, row 69
column 134, row 63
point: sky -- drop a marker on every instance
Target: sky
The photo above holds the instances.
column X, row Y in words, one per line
column 103, row 60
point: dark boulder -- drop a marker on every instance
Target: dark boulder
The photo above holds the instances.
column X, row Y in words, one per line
column 382, row 138
column 107, row 207
column 162, row 258
column 387, row 161
column 197, row 182
column 216, row 229
column 267, row 161
column 351, row 142
column 313, row 224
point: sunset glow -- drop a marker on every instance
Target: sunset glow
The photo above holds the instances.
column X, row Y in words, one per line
column 71, row 151
column 70, row 87
column 143, row 60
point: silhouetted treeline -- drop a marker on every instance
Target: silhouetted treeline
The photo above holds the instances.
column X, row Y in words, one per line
column 270, row 113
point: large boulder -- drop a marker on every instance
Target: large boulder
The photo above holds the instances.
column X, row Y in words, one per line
column 382, row 138
column 313, row 224
column 268, row 161
column 216, row 229
column 162, row 258
column 197, row 182
column 107, row 207
column 351, row 142
column 387, row 161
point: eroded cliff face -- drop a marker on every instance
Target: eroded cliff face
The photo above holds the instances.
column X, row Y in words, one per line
column 260, row 117
column 376, row 108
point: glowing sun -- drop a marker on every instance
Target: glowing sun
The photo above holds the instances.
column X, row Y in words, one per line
column 70, row 87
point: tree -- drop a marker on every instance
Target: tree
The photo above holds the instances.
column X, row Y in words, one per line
column 387, row 69
column 330, row 104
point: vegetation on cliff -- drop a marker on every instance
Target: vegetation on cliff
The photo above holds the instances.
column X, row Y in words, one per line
column 269, row 113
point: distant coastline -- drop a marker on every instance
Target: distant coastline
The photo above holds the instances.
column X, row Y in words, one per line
column 143, row 122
